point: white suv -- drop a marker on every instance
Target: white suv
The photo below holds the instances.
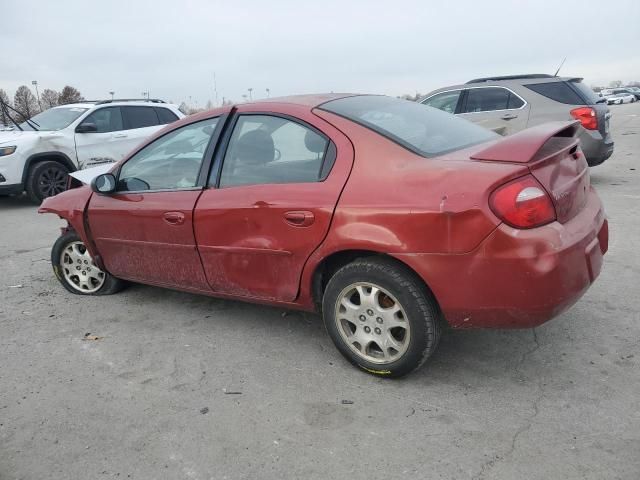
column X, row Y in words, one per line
column 38, row 154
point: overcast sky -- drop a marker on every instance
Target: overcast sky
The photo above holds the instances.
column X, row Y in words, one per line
column 172, row 48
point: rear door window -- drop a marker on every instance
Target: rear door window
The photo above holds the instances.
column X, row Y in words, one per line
column 445, row 101
column 139, row 117
column 487, row 99
column 560, row 92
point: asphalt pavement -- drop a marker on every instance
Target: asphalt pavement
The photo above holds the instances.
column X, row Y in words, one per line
column 179, row 386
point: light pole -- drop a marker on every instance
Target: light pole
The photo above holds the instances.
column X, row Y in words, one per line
column 35, row 82
column 268, row 93
column 250, row 96
column 112, row 93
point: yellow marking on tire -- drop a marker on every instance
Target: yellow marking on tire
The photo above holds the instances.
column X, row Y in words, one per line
column 377, row 372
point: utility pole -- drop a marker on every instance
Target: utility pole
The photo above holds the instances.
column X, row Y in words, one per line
column 35, row 82
column 250, row 96
column 268, row 93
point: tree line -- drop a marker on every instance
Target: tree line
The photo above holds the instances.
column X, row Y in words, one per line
column 25, row 102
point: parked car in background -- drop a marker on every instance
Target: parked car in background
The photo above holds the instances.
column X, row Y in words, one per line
column 619, row 98
column 386, row 216
column 36, row 155
column 510, row 104
column 634, row 90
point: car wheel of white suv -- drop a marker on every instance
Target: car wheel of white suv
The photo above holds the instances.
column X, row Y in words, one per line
column 46, row 179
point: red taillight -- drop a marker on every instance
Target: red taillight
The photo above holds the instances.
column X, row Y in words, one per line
column 523, row 203
column 587, row 117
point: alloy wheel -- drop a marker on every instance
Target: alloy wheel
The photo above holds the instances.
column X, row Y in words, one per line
column 372, row 322
column 79, row 270
column 52, row 181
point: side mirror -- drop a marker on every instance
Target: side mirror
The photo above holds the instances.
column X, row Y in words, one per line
column 87, row 128
column 105, row 183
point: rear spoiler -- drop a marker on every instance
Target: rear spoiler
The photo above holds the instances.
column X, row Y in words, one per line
column 522, row 146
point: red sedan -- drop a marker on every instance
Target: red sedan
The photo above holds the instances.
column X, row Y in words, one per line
column 389, row 217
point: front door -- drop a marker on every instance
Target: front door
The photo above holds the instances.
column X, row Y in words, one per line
column 144, row 231
column 277, row 188
column 104, row 144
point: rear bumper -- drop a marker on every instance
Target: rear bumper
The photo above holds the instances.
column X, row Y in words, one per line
column 596, row 148
column 518, row 278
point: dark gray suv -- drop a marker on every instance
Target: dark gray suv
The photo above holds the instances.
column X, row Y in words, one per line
column 513, row 103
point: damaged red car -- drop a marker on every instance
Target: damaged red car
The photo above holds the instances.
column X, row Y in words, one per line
column 390, row 218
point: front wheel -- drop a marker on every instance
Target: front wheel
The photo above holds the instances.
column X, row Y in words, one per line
column 76, row 270
column 46, row 179
column 381, row 316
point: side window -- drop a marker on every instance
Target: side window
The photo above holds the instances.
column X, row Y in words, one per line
column 171, row 162
column 486, row 99
column 446, row 101
column 266, row 149
column 139, row 117
column 165, row 115
column 107, row 119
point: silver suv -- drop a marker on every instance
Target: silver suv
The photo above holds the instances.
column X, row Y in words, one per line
column 512, row 103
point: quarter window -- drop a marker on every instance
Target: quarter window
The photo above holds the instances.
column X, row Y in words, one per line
column 486, row 99
column 446, row 101
column 139, row 117
column 165, row 115
column 265, row 150
column 106, row 119
column 171, row 162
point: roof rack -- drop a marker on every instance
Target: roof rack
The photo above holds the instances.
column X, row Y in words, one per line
column 511, row 77
column 100, row 102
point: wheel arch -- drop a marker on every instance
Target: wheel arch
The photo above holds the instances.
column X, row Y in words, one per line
column 45, row 157
column 330, row 264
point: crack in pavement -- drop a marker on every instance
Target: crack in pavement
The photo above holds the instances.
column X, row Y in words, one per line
column 490, row 464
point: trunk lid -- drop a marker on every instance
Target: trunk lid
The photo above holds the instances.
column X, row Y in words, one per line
column 553, row 156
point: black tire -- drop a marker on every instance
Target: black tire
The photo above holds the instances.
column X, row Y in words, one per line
column 422, row 313
column 62, row 270
column 46, row 179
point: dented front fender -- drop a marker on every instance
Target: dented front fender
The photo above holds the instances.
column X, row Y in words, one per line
column 71, row 206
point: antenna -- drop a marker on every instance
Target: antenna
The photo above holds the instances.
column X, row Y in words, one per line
column 561, row 63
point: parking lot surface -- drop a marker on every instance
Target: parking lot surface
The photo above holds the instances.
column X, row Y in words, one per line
column 179, row 386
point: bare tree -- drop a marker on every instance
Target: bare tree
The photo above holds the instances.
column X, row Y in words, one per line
column 25, row 102
column 69, row 95
column 4, row 119
column 49, row 98
column 184, row 108
column 615, row 84
column 209, row 105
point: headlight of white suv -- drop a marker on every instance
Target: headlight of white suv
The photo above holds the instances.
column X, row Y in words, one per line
column 7, row 150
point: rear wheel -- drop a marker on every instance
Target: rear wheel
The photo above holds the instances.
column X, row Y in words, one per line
column 76, row 270
column 46, row 179
column 381, row 316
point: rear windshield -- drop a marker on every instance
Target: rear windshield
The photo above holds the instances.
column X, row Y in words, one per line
column 422, row 129
column 570, row 92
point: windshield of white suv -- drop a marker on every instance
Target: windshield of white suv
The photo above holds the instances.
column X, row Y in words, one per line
column 53, row 119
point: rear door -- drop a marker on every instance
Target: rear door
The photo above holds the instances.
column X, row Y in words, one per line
column 495, row 108
column 275, row 185
column 144, row 231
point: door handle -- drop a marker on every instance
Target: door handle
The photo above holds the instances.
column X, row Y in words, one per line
column 120, row 135
column 508, row 116
column 299, row 218
column 174, row 218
